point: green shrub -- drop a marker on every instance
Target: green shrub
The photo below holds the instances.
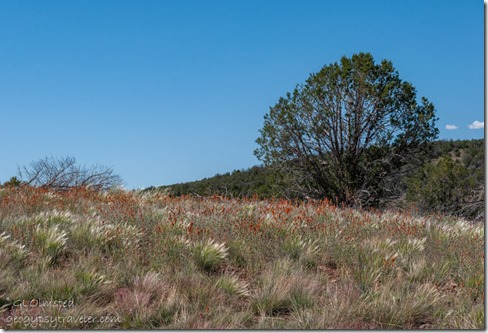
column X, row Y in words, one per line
column 446, row 187
column 13, row 182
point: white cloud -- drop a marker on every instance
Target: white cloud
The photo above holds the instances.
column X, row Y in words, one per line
column 477, row 125
column 451, row 127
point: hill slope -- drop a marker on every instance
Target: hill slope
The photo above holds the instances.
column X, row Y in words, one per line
column 149, row 261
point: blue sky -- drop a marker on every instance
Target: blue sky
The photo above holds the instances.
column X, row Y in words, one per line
column 173, row 91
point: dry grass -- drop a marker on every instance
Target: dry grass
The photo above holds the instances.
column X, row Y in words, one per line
column 145, row 261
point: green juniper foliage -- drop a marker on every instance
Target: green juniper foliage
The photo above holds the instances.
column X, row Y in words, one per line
column 349, row 131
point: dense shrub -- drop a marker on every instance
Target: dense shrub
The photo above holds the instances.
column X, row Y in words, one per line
column 446, row 186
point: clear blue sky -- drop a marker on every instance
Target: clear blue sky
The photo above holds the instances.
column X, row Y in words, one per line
column 173, row 91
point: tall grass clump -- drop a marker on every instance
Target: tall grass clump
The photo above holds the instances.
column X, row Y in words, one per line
column 11, row 251
column 106, row 237
column 89, row 234
column 209, row 255
column 393, row 306
column 51, row 241
column 233, row 286
column 304, row 251
column 283, row 290
column 147, row 302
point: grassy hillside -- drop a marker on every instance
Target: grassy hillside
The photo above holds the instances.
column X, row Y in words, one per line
column 83, row 259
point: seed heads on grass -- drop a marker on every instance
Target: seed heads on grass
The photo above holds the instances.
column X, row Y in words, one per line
column 11, row 251
column 303, row 251
column 373, row 270
column 121, row 236
column 89, row 234
column 152, row 284
column 209, row 255
column 150, row 302
column 232, row 285
column 51, row 241
column 283, row 291
column 416, row 269
column 105, row 236
column 394, row 306
column 90, row 280
column 55, row 217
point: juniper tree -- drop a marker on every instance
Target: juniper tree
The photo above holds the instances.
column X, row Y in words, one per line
column 349, row 131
